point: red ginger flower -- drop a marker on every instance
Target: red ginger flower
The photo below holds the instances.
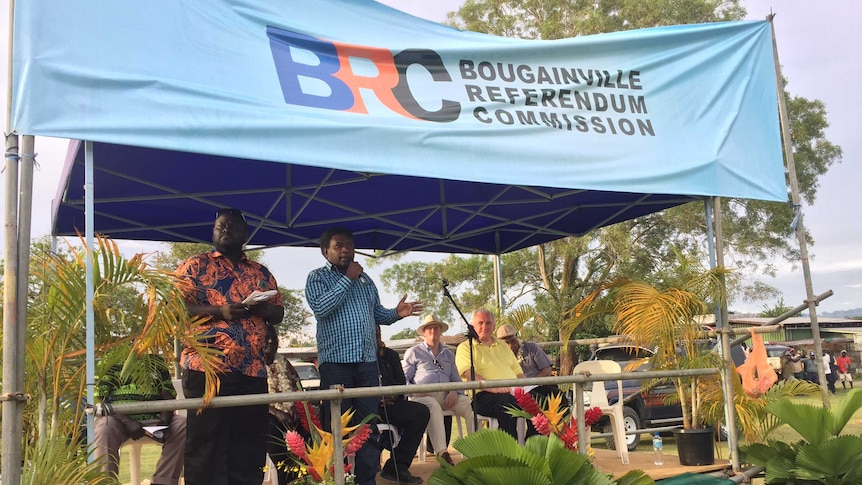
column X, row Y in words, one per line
column 304, row 410
column 527, row 402
column 569, row 435
column 592, row 415
column 358, row 440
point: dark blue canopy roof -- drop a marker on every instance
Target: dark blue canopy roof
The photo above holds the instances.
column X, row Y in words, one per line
column 160, row 195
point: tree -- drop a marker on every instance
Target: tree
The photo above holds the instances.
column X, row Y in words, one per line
column 560, row 273
column 406, row 334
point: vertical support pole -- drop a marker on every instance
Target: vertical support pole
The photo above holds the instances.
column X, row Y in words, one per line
column 337, row 445
column 710, row 242
column 12, row 360
column 498, row 283
column 90, row 315
column 583, row 438
column 787, row 142
column 729, row 376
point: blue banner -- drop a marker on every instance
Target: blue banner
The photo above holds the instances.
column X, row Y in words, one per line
column 358, row 86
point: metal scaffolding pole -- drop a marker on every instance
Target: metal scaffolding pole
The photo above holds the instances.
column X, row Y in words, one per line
column 13, row 387
column 799, row 221
column 729, row 376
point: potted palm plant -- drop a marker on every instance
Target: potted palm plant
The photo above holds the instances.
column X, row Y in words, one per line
column 667, row 319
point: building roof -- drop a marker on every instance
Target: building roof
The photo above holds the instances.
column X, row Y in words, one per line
column 796, row 321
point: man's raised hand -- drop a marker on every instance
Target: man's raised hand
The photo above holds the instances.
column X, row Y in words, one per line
column 407, row 308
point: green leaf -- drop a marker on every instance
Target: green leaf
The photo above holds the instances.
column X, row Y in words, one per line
column 488, row 442
column 843, row 412
column 809, row 421
column 635, row 477
column 569, row 467
column 835, row 458
column 778, row 469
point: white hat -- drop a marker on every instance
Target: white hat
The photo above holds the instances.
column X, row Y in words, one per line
column 506, row 331
column 429, row 320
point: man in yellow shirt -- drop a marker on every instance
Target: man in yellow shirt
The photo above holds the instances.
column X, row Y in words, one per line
column 492, row 360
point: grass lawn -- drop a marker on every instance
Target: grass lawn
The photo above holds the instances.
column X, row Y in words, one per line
column 150, row 453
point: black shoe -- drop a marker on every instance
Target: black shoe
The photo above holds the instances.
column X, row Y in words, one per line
column 404, row 477
column 447, row 458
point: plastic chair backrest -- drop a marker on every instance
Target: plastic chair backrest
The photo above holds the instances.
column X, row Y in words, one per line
column 599, row 395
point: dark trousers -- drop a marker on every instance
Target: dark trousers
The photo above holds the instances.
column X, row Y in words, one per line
column 494, row 405
column 362, row 374
column 226, row 446
column 542, row 392
column 411, row 419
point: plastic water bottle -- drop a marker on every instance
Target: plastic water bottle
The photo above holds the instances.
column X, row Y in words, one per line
column 656, row 449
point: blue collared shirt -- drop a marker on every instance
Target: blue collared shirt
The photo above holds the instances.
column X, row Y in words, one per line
column 347, row 313
column 420, row 367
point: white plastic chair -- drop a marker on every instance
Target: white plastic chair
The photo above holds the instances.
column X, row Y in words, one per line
column 270, row 476
column 599, row 398
column 423, row 447
column 134, row 446
column 393, row 432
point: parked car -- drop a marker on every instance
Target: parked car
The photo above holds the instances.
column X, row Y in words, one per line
column 775, row 355
column 643, row 409
column 309, row 376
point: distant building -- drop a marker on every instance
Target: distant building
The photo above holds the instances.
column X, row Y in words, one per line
column 836, row 334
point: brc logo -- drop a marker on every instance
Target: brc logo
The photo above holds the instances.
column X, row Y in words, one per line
column 390, row 85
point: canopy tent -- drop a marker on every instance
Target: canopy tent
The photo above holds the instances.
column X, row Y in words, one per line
column 416, row 135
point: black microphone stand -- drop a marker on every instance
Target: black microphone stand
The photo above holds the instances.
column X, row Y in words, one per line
column 471, row 335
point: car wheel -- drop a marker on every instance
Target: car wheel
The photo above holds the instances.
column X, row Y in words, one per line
column 632, row 421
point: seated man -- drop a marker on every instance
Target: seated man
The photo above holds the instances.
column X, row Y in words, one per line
column 411, row 418
column 281, row 377
column 492, row 360
column 534, row 361
column 432, row 363
column 147, row 379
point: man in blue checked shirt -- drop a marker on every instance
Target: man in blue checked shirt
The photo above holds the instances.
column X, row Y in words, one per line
column 347, row 309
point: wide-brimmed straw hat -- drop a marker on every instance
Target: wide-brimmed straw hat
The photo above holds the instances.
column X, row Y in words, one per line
column 431, row 320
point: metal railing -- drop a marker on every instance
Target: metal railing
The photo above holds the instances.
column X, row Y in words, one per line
column 339, row 393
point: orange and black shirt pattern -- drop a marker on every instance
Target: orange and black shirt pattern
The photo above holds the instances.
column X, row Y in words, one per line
column 212, row 279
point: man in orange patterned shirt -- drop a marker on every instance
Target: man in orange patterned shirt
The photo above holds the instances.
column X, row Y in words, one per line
column 228, row 445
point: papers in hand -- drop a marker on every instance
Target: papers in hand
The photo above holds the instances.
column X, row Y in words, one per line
column 526, row 389
column 259, row 296
column 155, row 432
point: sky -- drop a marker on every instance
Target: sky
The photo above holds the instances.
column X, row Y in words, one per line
column 818, row 49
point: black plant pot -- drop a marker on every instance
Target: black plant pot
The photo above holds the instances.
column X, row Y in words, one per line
column 695, row 446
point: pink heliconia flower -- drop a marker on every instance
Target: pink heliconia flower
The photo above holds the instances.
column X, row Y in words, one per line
column 540, row 422
column 296, row 444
